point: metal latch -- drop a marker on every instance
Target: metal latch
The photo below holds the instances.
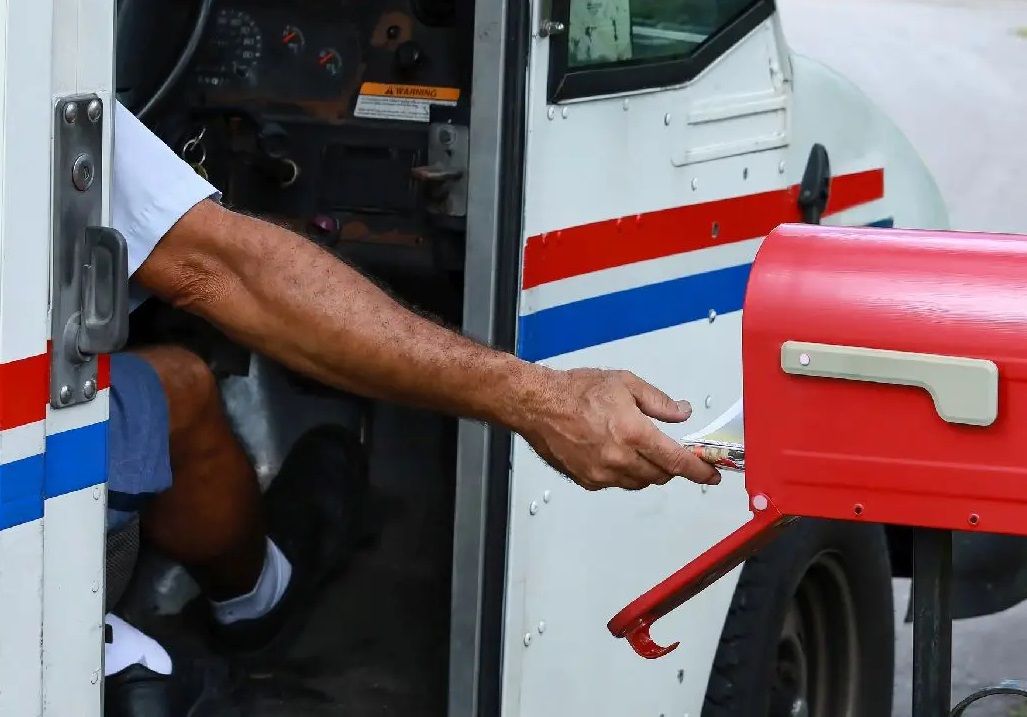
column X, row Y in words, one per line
column 89, row 279
column 548, row 28
column 444, row 178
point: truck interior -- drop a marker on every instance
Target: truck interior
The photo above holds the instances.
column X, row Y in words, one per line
column 270, row 100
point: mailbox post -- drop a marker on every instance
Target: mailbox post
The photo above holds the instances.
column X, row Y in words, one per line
column 932, row 621
column 885, row 380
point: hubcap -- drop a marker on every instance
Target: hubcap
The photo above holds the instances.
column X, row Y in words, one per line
column 816, row 673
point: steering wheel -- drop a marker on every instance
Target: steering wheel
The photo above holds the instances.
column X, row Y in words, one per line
column 126, row 25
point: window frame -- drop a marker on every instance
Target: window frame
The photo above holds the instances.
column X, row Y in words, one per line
column 569, row 83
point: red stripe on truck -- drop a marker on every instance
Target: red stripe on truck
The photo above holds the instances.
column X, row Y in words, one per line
column 24, row 391
column 583, row 249
column 25, row 388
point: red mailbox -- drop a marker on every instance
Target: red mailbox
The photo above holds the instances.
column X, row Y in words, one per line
column 885, row 380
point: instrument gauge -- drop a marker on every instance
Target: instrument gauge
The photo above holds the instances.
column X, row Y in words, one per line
column 330, row 61
column 292, row 39
column 233, row 51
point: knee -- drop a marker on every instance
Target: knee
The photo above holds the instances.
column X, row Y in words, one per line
column 189, row 385
column 194, row 376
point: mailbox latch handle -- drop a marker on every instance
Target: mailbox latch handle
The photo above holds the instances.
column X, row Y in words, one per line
column 964, row 390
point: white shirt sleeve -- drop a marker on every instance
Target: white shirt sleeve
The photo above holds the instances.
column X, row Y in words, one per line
column 152, row 187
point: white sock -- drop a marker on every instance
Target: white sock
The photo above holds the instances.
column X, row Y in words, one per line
column 129, row 647
column 259, row 601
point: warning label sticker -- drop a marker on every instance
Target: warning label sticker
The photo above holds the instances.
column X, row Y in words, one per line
column 410, row 103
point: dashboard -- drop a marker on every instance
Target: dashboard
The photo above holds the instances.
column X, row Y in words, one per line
column 314, row 112
column 318, row 115
column 280, row 55
column 315, row 57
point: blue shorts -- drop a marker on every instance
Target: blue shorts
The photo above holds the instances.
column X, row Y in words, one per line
column 140, row 464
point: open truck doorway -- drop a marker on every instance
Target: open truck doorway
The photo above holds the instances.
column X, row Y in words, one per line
column 348, row 123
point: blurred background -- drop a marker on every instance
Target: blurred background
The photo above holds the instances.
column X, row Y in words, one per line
column 953, row 75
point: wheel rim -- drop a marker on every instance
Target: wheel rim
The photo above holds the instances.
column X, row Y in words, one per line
column 816, row 671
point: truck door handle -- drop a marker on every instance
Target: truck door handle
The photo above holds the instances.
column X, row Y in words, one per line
column 815, row 188
column 103, row 324
column 89, row 262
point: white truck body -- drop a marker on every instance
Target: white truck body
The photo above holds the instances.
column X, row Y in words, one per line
column 575, row 558
column 720, row 154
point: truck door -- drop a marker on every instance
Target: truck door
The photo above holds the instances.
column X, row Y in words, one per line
column 54, row 138
column 659, row 153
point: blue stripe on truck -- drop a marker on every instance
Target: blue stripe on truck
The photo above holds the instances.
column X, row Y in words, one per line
column 605, row 318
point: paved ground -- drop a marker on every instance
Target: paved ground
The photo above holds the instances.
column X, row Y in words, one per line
column 953, row 75
column 986, row 650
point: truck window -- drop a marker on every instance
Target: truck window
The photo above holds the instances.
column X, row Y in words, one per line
column 614, row 46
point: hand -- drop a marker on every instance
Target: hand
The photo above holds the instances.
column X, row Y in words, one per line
column 591, row 425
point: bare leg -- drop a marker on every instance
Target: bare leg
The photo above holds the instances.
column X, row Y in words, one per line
column 211, row 519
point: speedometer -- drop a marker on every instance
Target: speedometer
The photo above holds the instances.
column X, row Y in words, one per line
column 232, row 52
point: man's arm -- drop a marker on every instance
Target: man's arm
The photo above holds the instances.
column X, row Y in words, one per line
column 284, row 297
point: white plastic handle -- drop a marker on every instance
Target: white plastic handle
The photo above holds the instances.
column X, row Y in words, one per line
column 965, row 390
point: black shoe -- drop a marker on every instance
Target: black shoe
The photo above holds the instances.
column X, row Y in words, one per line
column 196, row 688
column 314, row 509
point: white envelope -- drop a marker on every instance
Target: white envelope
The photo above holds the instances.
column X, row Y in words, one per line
column 721, row 441
column 725, row 428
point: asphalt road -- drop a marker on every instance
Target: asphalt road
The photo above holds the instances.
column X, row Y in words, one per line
column 953, row 76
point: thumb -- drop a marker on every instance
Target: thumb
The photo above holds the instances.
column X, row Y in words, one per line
column 656, row 404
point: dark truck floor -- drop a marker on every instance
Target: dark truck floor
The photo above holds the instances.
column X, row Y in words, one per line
column 376, row 643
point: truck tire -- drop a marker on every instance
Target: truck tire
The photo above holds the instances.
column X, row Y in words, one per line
column 810, row 630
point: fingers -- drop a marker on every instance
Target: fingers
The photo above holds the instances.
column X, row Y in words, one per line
column 621, row 466
column 634, row 472
column 655, row 403
column 669, row 456
column 651, row 462
column 599, row 433
column 641, row 473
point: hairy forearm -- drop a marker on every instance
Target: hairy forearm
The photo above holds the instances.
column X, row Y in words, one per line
column 284, row 297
